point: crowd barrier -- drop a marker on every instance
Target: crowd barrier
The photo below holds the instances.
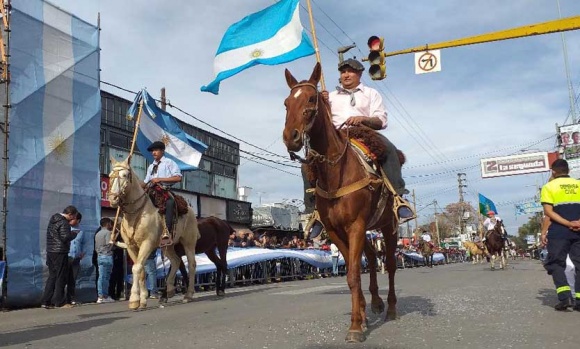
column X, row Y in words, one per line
column 248, row 266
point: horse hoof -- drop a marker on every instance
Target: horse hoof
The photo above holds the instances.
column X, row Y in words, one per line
column 171, row 294
column 378, row 308
column 134, row 305
column 187, row 299
column 391, row 315
column 143, row 306
column 355, row 337
column 221, row 293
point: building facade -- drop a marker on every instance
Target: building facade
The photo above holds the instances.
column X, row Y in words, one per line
column 211, row 190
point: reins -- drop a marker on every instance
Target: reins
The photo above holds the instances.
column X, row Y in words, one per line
column 311, row 154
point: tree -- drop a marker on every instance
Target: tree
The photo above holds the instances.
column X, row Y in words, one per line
column 531, row 227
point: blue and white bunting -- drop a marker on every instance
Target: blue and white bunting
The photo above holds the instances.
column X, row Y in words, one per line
column 272, row 36
column 158, row 125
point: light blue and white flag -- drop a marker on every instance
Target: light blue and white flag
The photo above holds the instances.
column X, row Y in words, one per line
column 158, row 125
column 272, row 36
column 54, row 138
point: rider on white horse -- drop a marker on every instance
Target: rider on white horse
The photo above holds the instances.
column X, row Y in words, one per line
column 161, row 175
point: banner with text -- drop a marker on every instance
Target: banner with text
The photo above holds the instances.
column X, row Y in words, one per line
column 515, row 165
column 570, row 141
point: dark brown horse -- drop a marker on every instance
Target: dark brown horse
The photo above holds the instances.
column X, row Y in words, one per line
column 495, row 245
column 214, row 235
column 346, row 196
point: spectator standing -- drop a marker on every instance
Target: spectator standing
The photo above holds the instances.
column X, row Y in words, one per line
column 334, row 253
column 75, row 255
column 104, row 260
column 58, row 238
column 151, row 273
column 117, row 282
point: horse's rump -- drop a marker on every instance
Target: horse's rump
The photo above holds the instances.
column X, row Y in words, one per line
column 159, row 197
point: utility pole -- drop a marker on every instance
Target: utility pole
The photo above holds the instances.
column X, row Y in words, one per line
column 163, row 99
column 436, row 223
column 415, row 209
column 460, row 185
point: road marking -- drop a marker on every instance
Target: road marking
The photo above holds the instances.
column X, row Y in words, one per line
column 309, row 290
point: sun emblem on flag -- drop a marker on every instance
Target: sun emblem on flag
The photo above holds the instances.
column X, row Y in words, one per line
column 57, row 145
column 165, row 139
column 257, row 53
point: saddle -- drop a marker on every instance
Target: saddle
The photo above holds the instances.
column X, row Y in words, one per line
column 159, row 196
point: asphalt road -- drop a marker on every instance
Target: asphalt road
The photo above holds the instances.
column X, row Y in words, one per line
column 452, row 306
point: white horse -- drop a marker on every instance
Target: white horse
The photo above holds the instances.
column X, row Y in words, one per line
column 141, row 229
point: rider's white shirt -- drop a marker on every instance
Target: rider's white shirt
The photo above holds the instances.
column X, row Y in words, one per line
column 368, row 102
column 165, row 168
column 426, row 237
column 489, row 224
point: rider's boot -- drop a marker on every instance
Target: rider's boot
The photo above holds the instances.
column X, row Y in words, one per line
column 166, row 239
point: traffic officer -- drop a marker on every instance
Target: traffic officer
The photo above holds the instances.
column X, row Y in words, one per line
column 561, row 201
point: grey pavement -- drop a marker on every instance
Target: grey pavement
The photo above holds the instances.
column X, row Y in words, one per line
column 452, row 306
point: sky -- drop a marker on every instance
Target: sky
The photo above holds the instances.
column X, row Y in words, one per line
column 491, row 99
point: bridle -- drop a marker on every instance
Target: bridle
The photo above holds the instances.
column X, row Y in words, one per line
column 115, row 177
column 312, row 155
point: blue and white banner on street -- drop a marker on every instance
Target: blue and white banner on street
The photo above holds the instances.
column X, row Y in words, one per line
column 272, row 36
column 528, row 208
column 54, row 139
column 158, row 125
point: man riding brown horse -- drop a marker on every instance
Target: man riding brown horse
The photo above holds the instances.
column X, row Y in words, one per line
column 354, row 104
column 162, row 174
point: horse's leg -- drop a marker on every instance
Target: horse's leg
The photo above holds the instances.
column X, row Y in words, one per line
column 134, row 298
column 391, row 246
column 174, row 261
column 223, row 251
column 217, row 262
column 492, row 261
column 191, row 264
column 356, row 242
column 377, row 304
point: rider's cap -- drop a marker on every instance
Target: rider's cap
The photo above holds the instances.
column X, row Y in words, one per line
column 353, row 63
column 490, row 212
column 157, row 145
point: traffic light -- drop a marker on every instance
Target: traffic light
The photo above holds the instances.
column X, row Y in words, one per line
column 376, row 58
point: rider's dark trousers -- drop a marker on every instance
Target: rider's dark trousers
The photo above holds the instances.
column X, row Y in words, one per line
column 392, row 166
column 169, row 211
column 555, row 264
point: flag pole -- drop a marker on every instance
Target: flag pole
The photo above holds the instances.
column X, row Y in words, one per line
column 315, row 42
column 135, row 132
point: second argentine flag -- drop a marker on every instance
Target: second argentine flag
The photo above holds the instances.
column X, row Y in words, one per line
column 272, row 36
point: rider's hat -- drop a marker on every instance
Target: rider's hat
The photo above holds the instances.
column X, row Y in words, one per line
column 353, row 63
column 490, row 212
column 157, row 145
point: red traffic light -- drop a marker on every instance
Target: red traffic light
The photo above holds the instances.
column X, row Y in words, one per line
column 375, row 43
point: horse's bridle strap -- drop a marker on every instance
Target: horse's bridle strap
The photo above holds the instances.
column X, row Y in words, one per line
column 351, row 188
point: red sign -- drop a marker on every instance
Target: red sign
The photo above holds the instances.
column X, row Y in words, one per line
column 104, row 189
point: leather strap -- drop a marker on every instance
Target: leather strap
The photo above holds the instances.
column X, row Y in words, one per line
column 351, row 188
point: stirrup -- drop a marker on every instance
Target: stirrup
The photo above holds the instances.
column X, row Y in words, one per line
column 400, row 203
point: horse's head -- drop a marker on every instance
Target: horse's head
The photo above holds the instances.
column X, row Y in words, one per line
column 301, row 109
column 120, row 178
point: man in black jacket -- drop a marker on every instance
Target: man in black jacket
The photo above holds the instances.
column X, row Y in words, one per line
column 58, row 238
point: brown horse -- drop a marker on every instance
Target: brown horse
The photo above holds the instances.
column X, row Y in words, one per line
column 214, row 235
column 427, row 252
column 495, row 245
column 346, row 196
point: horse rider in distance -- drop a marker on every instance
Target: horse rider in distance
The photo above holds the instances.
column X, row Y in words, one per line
column 162, row 174
column 490, row 222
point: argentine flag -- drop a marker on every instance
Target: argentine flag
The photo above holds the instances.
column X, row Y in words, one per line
column 158, row 125
column 271, row 36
